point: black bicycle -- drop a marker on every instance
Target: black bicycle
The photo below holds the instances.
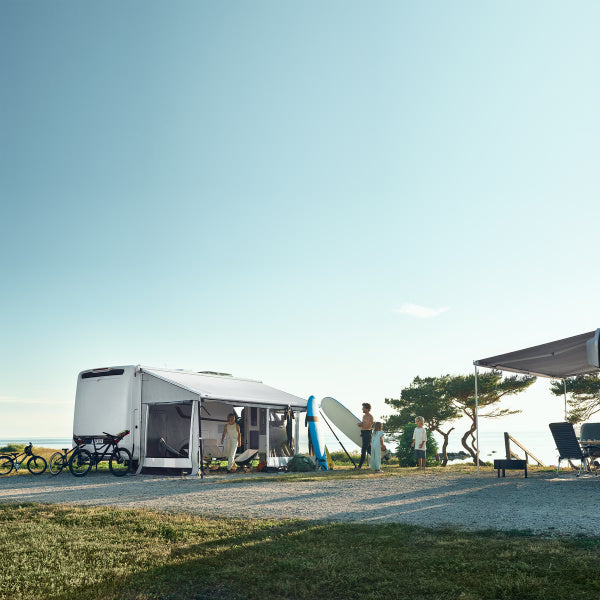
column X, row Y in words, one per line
column 60, row 460
column 119, row 459
column 36, row 465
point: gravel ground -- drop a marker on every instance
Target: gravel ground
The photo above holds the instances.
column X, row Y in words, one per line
column 541, row 503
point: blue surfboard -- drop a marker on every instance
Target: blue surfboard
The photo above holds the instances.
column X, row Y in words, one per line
column 314, row 427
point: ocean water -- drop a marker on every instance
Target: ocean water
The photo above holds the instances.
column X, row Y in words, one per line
column 46, row 442
column 491, row 443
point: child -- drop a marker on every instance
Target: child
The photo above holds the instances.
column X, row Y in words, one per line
column 419, row 442
column 377, row 447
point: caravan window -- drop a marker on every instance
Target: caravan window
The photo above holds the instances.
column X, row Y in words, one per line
column 102, row 373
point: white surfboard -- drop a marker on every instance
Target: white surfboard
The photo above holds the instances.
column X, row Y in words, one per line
column 342, row 418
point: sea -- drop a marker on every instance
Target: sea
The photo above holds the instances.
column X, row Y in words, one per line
column 491, row 443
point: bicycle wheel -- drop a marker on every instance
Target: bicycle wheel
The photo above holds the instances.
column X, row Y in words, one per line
column 6, row 465
column 57, row 463
column 120, row 462
column 36, row 465
column 80, row 462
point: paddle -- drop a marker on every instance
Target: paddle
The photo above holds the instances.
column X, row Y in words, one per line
column 338, row 439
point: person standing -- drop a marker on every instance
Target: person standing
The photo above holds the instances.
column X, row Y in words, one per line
column 233, row 440
column 419, row 442
column 377, row 447
column 365, row 432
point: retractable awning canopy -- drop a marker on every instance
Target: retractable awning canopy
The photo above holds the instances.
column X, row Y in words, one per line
column 577, row 355
column 228, row 389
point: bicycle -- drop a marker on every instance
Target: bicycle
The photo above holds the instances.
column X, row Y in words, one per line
column 36, row 465
column 119, row 459
column 60, row 460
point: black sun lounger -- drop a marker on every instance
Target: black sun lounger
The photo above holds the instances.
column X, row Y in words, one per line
column 567, row 445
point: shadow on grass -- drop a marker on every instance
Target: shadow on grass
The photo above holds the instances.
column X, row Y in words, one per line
column 304, row 560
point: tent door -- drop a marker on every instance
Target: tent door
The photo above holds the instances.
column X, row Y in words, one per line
column 168, row 435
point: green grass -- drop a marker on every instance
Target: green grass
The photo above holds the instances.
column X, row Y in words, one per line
column 55, row 552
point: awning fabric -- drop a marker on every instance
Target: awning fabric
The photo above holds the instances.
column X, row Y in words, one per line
column 228, row 389
column 560, row 359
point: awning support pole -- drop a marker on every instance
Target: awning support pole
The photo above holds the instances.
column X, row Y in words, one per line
column 297, row 440
column 201, row 455
column 565, row 389
column 476, row 421
column 268, row 441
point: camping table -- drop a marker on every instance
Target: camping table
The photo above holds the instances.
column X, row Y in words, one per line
column 592, row 449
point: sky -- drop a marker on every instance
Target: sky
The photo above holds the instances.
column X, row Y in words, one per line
column 330, row 197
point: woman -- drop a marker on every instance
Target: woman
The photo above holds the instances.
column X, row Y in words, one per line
column 233, row 440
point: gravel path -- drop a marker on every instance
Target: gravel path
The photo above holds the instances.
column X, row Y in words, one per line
column 541, row 503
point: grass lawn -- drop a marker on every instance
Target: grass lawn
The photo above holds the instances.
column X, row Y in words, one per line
column 52, row 552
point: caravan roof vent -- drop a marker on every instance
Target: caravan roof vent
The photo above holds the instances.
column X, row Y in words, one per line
column 215, row 373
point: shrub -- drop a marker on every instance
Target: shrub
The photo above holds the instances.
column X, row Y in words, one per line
column 13, row 448
column 339, row 456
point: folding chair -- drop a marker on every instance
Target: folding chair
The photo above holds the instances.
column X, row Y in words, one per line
column 568, row 446
column 245, row 458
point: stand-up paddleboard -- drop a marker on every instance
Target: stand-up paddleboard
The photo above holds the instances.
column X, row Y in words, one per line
column 313, row 418
column 342, row 418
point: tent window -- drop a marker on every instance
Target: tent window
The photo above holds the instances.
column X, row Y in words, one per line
column 281, row 425
column 263, row 421
column 168, row 433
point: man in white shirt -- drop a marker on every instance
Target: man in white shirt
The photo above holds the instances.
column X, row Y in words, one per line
column 419, row 442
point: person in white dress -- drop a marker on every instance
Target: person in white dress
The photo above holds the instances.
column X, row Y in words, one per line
column 233, row 440
column 377, row 447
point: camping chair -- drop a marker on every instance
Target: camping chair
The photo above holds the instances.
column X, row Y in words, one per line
column 568, row 446
column 166, row 449
column 245, row 458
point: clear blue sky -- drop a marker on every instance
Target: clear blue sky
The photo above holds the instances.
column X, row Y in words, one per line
column 273, row 189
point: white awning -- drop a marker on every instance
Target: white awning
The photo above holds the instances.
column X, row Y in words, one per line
column 228, row 389
column 577, row 355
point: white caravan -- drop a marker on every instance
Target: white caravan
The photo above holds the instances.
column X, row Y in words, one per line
column 168, row 412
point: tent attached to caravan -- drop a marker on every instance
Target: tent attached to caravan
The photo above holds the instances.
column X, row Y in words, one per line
column 568, row 357
column 170, row 413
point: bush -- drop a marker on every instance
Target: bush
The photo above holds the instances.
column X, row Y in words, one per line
column 406, row 454
column 339, row 456
column 13, row 448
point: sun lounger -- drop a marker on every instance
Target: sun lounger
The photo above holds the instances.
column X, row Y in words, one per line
column 568, row 446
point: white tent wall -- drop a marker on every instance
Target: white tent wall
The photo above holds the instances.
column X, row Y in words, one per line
column 168, row 414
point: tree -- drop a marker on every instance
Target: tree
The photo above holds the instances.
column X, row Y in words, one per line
column 491, row 388
column 582, row 399
column 424, row 397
